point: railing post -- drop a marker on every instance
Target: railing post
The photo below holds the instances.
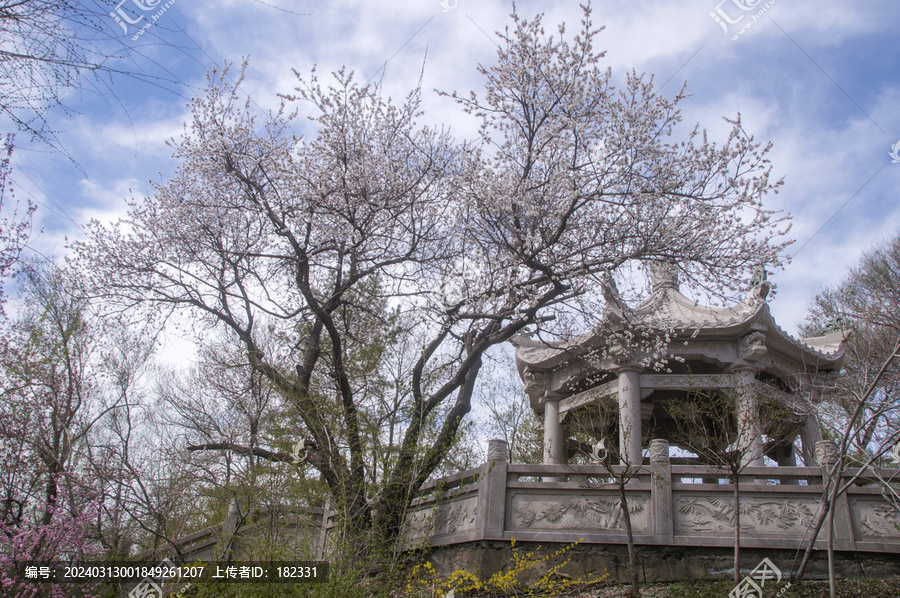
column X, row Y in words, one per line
column 230, row 526
column 827, row 457
column 492, row 492
column 661, row 492
column 321, row 548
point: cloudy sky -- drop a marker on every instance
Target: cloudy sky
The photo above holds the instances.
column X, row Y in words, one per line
column 822, row 84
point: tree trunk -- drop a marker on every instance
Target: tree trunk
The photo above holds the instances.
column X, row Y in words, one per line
column 809, row 547
column 737, row 529
column 50, row 495
column 626, row 515
column 832, row 583
column 830, row 493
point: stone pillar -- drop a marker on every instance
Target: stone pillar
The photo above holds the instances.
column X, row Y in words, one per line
column 810, row 436
column 234, row 518
column 554, row 439
column 320, row 552
column 826, row 454
column 630, row 416
column 827, row 457
column 749, row 436
column 498, row 451
column 491, row 510
column 663, row 520
column 785, row 456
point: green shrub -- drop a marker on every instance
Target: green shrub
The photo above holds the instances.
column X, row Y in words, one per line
column 424, row 580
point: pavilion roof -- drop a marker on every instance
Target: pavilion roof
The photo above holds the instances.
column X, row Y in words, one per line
column 667, row 309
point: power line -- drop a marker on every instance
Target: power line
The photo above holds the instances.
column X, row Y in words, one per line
column 842, row 206
column 47, row 195
column 40, row 203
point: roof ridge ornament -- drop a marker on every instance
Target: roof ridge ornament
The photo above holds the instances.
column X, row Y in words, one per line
column 759, row 284
column 836, row 324
column 663, row 274
column 615, row 305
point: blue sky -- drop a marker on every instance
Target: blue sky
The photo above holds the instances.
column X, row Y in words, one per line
column 821, row 83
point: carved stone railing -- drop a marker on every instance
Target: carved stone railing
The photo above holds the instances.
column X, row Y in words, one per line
column 300, row 528
column 562, row 503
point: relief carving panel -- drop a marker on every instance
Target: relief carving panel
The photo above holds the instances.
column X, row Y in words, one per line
column 450, row 518
column 875, row 520
column 714, row 514
column 582, row 513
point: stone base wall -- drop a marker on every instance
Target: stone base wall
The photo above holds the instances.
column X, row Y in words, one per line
column 656, row 563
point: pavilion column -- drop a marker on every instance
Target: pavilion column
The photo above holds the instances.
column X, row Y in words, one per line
column 630, row 416
column 554, row 439
column 810, row 436
column 749, row 434
column 785, row 456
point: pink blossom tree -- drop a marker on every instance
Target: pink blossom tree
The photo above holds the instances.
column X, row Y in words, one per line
column 47, row 511
column 65, row 538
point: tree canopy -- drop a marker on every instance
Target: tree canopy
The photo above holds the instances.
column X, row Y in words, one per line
column 309, row 257
column 867, row 305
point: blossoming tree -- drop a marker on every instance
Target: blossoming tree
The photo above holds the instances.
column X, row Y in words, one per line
column 465, row 244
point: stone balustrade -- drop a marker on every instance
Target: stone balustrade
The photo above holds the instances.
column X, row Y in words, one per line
column 301, row 529
column 563, row 503
column 499, row 501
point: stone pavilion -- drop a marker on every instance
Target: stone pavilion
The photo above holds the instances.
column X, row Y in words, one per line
column 738, row 350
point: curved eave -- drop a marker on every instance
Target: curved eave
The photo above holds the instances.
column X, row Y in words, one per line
column 540, row 355
column 668, row 309
column 672, row 310
column 815, row 353
column 827, row 344
column 820, row 352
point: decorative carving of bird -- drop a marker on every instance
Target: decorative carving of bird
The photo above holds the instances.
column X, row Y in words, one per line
column 600, row 452
column 301, row 451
